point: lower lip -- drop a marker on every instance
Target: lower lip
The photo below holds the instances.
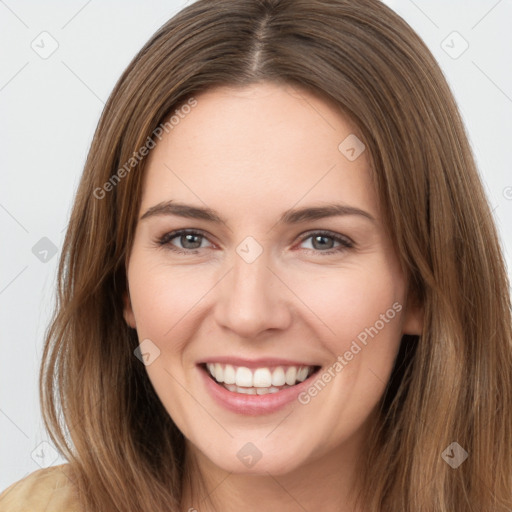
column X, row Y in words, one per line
column 253, row 405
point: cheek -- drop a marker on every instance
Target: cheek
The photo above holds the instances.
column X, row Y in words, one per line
column 360, row 310
column 164, row 297
column 348, row 302
column 164, row 301
column 342, row 302
column 335, row 306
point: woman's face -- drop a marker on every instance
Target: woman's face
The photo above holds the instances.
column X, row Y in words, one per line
column 289, row 271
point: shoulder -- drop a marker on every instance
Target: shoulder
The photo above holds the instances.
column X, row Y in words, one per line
column 46, row 489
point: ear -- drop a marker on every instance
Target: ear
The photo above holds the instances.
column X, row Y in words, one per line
column 128, row 315
column 413, row 316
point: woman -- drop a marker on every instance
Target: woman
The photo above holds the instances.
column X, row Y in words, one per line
column 281, row 285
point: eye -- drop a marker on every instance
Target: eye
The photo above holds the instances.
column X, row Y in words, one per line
column 324, row 242
column 190, row 241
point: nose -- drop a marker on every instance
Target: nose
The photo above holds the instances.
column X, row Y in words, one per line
column 252, row 299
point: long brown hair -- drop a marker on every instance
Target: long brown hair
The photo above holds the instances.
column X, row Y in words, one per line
column 451, row 384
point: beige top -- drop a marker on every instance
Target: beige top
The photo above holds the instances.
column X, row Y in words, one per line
column 47, row 490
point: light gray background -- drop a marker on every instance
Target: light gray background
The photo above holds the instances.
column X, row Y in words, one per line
column 49, row 110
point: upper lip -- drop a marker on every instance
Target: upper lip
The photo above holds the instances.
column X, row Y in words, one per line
column 256, row 363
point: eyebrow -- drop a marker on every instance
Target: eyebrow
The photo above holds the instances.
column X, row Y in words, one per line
column 292, row 216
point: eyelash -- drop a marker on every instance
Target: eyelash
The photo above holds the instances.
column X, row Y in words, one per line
column 345, row 242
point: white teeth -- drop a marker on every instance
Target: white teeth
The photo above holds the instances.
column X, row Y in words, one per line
column 229, row 374
column 219, row 373
column 291, row 375
column 271, row 389
column 243, row 377
column 262, row 378
column 258, row 381
column 246, row 391
column 302, row 374
column 278, row 378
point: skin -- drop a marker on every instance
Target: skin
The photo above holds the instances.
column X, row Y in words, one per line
column 271, row 148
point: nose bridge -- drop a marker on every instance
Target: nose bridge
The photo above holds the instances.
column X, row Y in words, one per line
column 251, row 299
column 250, row 279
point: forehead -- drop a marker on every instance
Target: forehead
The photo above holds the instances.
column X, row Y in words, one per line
column 259, row 149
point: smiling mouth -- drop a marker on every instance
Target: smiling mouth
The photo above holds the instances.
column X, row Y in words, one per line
column 258, row 381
